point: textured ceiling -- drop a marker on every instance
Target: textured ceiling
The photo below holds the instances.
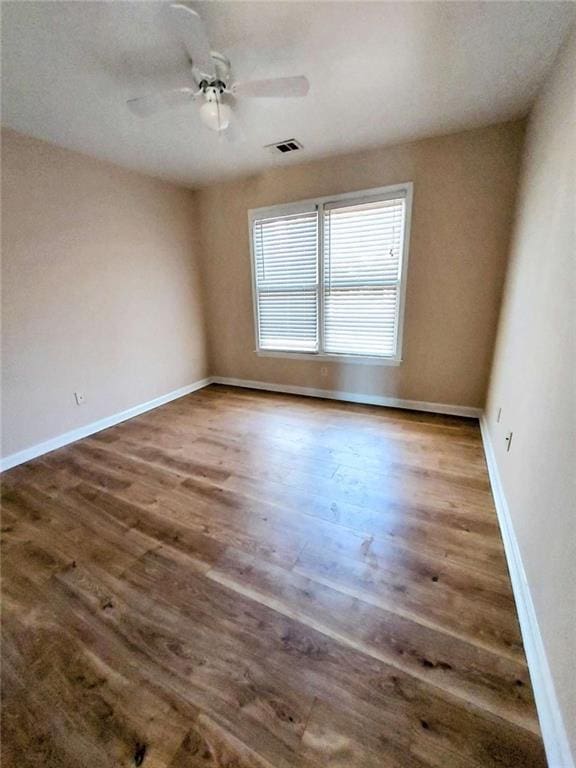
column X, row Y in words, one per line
column 379, row 73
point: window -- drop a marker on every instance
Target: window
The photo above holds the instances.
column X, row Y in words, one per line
column 329, row 275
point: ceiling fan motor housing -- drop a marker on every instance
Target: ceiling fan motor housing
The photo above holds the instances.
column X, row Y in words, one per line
column 212, row 86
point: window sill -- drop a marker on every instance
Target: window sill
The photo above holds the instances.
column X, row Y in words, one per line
column 325, row 358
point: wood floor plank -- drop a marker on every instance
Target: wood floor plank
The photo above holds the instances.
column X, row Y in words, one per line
column 373, row 450
column 329, row 670
column 77, row 704
column 499, row 684
column 395, row 453
column 445, row 538
column 209, row 744
column 493, row 629
column 211, row 670
column 448, row 543
column 340, row 737
column 76, row 537
column 258, row 580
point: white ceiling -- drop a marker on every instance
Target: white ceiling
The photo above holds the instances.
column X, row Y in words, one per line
column 380, row 72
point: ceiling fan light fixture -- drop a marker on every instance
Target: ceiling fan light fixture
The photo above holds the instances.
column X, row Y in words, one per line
column 215, row 113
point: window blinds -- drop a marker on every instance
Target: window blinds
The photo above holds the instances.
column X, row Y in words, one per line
column 362, row 274
column 328, row 274
column 286, row 276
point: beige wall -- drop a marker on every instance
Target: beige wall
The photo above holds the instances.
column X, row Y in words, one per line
column 464, row 188
column 534, row 375
column 100, row 290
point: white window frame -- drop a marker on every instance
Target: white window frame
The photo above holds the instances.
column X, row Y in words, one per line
column 361, row 196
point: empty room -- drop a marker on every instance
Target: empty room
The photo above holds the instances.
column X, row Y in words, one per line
column 288, row 384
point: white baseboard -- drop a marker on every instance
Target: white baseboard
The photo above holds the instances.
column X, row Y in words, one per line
column 352, row 397
column 96, row 426
column 551, row 721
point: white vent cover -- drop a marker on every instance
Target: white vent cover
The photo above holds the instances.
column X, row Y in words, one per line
column 283, row 147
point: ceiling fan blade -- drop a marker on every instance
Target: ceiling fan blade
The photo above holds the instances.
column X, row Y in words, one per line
column 278, row 87
column 158, row 102
column 191, row 31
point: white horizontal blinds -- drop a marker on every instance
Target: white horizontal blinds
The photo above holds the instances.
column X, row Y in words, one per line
column 286, row 274
column 362, row 274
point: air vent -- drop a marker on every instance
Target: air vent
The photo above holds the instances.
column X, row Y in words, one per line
column 283, row 147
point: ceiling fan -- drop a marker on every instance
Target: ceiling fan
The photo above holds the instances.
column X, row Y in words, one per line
column 212, row 87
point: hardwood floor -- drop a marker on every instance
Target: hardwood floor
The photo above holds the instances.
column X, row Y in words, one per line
column 253, row 580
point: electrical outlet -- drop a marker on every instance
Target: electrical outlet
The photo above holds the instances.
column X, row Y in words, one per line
column 323, row 372
column 508, row 441
column 498, row 415
column 80, row 398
